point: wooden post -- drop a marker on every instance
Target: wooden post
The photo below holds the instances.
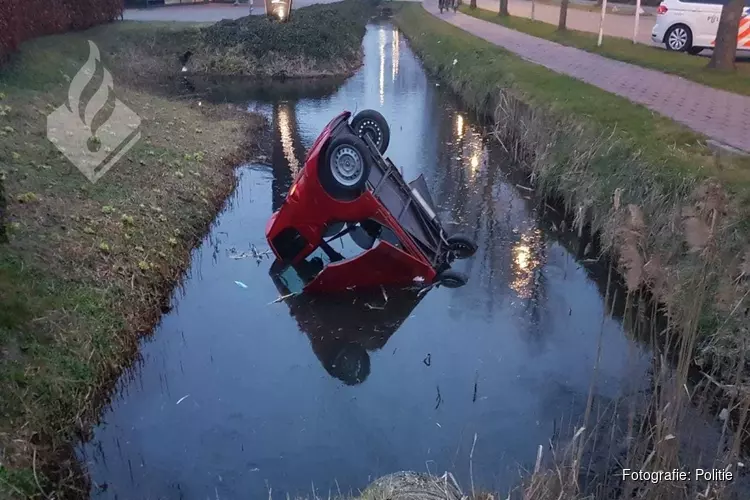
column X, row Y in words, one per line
column 601, row 23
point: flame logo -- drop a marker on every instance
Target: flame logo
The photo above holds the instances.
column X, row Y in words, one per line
column 100, row 98
column 90, row 138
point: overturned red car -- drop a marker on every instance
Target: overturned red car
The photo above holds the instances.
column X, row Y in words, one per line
column 348, row 188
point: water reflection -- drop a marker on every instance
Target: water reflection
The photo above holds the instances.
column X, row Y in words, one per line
column 394, row 54
column 288, row 151
column 526, row 262
column 381, row 78
column 344, row 327
column 287, row 141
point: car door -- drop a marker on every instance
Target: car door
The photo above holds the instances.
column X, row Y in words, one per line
column 707, row 22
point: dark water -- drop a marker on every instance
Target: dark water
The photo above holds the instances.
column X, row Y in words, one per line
column 235, row 395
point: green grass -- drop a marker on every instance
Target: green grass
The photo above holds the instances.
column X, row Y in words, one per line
column 71, row 308
column 689, row 67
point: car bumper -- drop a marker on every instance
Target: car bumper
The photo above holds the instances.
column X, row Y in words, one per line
column 657, row 34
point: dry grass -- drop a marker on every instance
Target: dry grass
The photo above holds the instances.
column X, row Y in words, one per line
column 89, row 267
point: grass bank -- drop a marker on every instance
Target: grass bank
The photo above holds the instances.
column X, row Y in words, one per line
column 677, row 220
column 320, row 40
column 687, row 66
column 88, row 268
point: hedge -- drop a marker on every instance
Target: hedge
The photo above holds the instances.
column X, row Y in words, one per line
column 24, row 19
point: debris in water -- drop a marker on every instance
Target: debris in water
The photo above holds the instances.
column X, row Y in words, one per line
column 724, row 415
column 476, row 383
column 418, row 279
column 436, row 423
column 385, row 295
column 439, row 398
column 282, row 298
column 370, row 306
column 524, row 187
column 455, row 61
column 428, row 360
column 183, row 398
column 241, row 284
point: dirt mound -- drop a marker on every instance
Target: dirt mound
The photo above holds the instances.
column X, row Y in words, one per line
column 412, row 486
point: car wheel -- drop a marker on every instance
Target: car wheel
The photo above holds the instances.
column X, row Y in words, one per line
column 374, row 124
column 351, row 364
column 452, row 279
column 462, row 246
column 694, row 51
column 346, row 167
column 679, row 38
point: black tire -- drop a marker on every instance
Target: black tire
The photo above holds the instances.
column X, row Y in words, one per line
column 462, row 246
column 373, row 123
column 452, row 279
column 678, row 38
column 345, row 167
column 694, row 51
column 351, row 364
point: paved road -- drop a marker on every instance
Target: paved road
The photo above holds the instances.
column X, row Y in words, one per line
column 581, row 20
column 205, row 12
column 720, row 115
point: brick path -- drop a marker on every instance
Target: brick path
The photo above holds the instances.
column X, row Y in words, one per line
column 720, row 115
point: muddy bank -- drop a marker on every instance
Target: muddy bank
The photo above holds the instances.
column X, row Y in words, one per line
column 676, row 220
column 317, row 41
column 89, row 266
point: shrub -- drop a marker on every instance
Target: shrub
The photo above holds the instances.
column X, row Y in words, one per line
column 24, row 19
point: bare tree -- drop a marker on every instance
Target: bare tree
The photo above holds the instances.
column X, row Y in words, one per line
column 473, row 4
column 725, row 49
column 563, row 22
column 503, row 8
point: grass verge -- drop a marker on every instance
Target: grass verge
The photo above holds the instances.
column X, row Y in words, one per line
column 687, row 66
column 676, row 218
column 88, row 267
column 320, row 40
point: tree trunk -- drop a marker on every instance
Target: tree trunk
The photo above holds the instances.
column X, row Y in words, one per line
column 473, row 4
column 504, row 8
column 562, row 23
column 726, row 38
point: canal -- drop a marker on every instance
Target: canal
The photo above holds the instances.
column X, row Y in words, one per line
column 235, row 396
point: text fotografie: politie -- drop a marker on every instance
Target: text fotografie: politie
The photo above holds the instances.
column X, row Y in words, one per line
column 677, row 475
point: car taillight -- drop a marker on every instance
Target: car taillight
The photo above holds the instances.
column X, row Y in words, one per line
column 662, row 9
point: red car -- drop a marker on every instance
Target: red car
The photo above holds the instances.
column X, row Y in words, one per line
column 347, row 187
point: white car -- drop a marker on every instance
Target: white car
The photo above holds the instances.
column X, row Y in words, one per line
column 691, row 26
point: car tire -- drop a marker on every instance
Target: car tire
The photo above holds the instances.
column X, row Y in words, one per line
column 679, row 38
column 461, row 246
column 373, row 123
column 694, row 51
column 345, row 168
column 452, row 279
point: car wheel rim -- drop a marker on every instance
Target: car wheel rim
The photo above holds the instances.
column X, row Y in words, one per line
column 370, row 128
column 346, row 166
column 678, row 39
